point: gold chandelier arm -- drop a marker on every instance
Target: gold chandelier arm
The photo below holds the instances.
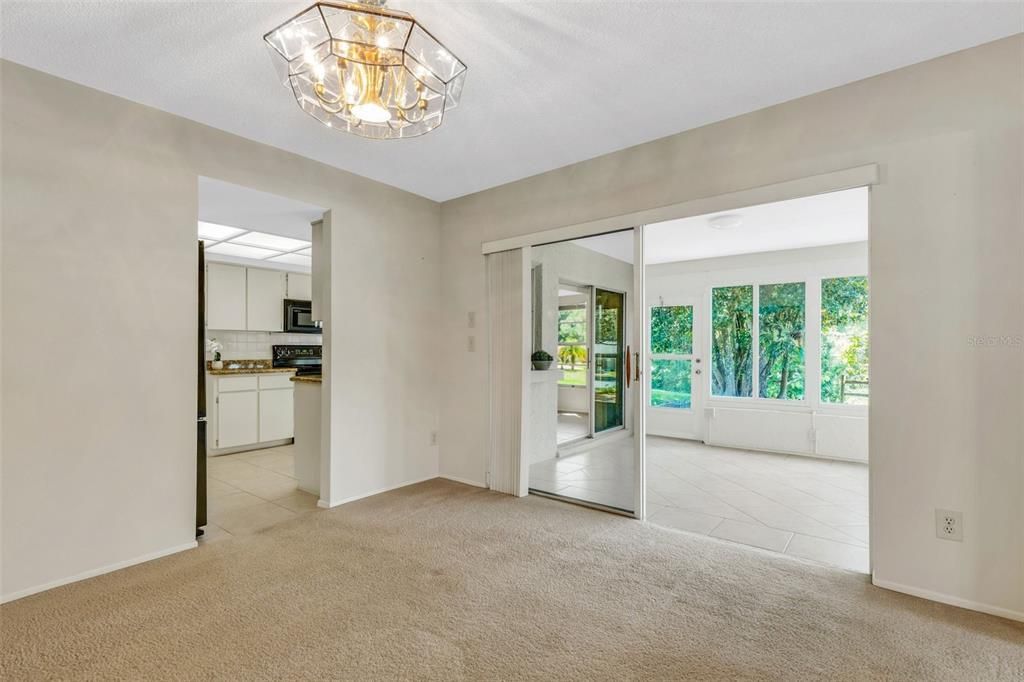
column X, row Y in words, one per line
column 318, row 90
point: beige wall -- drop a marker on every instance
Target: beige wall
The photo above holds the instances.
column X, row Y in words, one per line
column 947, row 246
column 99, row 268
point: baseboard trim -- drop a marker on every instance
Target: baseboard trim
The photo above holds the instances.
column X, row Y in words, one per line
column 110, row 568
column 949, row 599
column 466, row 481
column 331, row 505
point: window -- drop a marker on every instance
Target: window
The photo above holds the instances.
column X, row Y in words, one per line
column 671, row 356
column 572, row 345
column 732, row 324
column 844, row 340
column 780, row 319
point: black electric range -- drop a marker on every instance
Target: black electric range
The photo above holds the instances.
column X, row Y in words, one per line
column 304, row 359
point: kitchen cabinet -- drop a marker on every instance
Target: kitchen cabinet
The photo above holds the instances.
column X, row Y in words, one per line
column 236, row 419
column 300, row 287
column 250, row 410
column 225, row 296
column 264, row 300
column 277, row 414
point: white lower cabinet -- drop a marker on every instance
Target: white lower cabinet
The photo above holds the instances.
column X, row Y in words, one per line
column 277, row 414
column 250, row 410
column 236, row 419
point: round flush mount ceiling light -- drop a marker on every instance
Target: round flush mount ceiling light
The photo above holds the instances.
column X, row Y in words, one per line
column 726, row 221
column 366, row 69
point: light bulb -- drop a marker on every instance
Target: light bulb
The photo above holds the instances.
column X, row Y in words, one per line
column 371, row 112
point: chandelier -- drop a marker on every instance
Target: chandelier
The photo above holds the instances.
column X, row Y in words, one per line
column 366, row 69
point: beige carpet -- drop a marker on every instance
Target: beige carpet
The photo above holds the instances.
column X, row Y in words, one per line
column 445, row 581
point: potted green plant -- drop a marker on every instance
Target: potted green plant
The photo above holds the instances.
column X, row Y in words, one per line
column 541, row 360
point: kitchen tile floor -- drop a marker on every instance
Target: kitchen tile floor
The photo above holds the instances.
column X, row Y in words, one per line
column 816, row 509
column 250, row 491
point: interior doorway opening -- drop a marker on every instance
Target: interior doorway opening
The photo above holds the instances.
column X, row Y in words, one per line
column 259, row 439
column 758, row 376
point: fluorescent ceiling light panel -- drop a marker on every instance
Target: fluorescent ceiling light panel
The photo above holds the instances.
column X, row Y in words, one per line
column 270, row 241
column 292, row 259
column 229, row 249
column 215, row 233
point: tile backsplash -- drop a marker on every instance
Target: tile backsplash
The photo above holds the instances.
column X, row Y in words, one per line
column 256, row 345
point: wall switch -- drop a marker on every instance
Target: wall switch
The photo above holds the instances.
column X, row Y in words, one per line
column 433, row 437
column 471, row 319
column 949, row 525
column 471, row 344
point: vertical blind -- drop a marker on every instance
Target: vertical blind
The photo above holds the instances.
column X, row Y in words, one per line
column 506, row 314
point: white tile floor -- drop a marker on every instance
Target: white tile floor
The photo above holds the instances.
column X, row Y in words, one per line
column 816, row 509
column 572, row 425
column 249, row 491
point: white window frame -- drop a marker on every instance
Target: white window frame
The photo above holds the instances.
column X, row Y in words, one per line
column 812, row 347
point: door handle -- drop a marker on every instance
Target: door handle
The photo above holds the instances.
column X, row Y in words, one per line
column 637, row 366
column 628, row 369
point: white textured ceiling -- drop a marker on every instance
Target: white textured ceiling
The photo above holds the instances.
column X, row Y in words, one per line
column 227, row 204
column 820, row 220
column 549, row 83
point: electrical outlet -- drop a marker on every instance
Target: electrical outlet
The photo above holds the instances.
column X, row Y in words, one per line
column 949, row 525
column 471, row 344
column 471, row 319
column 433, row 437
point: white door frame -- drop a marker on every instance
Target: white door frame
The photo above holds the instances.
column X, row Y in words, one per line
column 848, row 178
column 639, row 394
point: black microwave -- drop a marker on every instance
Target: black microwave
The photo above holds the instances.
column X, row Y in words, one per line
column 298, row 317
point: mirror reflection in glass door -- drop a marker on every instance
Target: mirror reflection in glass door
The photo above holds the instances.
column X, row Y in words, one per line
column 609, row 327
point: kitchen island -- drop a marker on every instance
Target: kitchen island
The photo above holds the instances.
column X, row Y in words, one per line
column 308, row 460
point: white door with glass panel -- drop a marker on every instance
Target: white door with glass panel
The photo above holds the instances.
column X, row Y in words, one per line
column 675, row 368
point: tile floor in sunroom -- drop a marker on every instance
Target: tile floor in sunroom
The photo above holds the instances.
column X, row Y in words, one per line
column 812, row 508
column 252, row 490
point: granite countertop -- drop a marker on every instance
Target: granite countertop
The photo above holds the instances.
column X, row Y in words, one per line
column 251, row 370
column 309, row 378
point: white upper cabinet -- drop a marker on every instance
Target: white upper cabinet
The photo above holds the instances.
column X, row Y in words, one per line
column 300, row 287
column 225, row 296
column 265, row 300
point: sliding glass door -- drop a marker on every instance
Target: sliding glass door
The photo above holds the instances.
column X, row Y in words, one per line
column 609, row 355
column 585, row 292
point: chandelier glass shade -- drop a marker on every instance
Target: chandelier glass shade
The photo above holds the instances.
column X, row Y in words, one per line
column 366, row 69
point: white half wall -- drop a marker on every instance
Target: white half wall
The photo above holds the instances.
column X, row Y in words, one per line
column 99, row 270
column 946, row 280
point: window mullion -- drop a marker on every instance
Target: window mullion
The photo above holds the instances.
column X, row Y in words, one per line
column 755, row 342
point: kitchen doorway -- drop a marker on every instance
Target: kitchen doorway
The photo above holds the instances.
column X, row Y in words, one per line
column 260, row 355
